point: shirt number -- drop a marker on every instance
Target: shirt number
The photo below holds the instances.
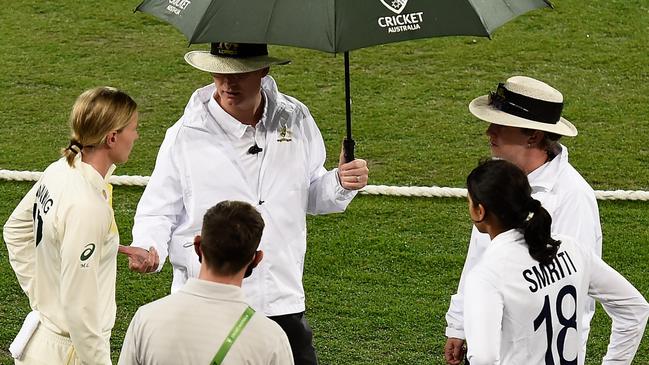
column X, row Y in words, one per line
column 38, row 225
column 566, row 323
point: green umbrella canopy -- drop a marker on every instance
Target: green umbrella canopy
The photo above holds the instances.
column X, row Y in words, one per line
column 334, row 25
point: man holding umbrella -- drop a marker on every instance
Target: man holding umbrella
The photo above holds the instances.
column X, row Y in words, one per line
column 241, row 139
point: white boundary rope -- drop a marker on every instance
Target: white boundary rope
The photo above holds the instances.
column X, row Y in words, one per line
column 419, row 191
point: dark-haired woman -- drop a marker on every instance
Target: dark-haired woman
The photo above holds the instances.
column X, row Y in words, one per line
column 522, row 297
column 62, row 238
column 526, row 124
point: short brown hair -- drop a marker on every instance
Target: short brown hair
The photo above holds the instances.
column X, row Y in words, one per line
column 231, row 234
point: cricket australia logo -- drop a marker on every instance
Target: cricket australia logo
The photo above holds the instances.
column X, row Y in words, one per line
column 400, row 22
column 177, row 6
column 395, row 5
column 284, row 134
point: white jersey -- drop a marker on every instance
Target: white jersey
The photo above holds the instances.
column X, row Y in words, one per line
column 62, row 242
column 518, row 311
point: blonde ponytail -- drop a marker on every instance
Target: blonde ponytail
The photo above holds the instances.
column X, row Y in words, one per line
column 95, row 113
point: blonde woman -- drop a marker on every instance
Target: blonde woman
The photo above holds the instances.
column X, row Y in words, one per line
column 62, row 238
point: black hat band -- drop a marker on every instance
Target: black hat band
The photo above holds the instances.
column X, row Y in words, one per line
column 238, row 50
column 524, row 106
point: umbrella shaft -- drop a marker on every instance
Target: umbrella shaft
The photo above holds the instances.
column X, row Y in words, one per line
column 348, row 98
column 348, row 144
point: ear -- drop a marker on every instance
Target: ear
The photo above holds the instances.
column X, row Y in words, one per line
column 535, row 138
column 111, row 138
column 259, row 255
column 482, row 212
column 479, row 212
column 197, row 247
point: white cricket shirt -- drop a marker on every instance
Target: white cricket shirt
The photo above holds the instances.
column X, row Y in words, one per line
column 517, row 311
column 62, row 242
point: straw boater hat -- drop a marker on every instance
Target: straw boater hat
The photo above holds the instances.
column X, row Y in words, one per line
column 524, row 102
column 233, row 58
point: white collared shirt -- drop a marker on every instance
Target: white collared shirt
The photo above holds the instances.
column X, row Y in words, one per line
column 62, row 242
column 189, row 326
column 242, row 137
column 199, row 165
column 518, row 311
column 573, row 207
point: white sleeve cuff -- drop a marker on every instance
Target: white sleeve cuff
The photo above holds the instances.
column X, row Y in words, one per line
column 455, row 333
column 340, row 190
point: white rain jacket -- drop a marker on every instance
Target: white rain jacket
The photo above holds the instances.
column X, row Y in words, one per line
column 196, row 168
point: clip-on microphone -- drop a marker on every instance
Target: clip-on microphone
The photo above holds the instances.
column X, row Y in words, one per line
column 253, row 150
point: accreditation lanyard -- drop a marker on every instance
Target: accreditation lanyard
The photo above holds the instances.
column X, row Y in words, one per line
column 232, row 336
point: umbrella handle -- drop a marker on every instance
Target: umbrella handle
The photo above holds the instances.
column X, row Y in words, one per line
column 348, row 148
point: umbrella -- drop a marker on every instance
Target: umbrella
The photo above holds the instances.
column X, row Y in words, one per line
column 335, row 25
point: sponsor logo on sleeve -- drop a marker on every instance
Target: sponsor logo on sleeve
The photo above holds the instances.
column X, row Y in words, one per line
column 87, row 252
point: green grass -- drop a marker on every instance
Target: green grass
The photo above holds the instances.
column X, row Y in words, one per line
column 379, row 277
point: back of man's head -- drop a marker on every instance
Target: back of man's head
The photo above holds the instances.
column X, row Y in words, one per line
column 230, row 236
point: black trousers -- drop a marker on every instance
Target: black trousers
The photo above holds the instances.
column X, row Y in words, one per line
column 299, row 336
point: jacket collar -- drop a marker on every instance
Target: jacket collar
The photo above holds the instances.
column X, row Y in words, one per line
column 206, row 110
column 545, row 176
column 229, row 124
